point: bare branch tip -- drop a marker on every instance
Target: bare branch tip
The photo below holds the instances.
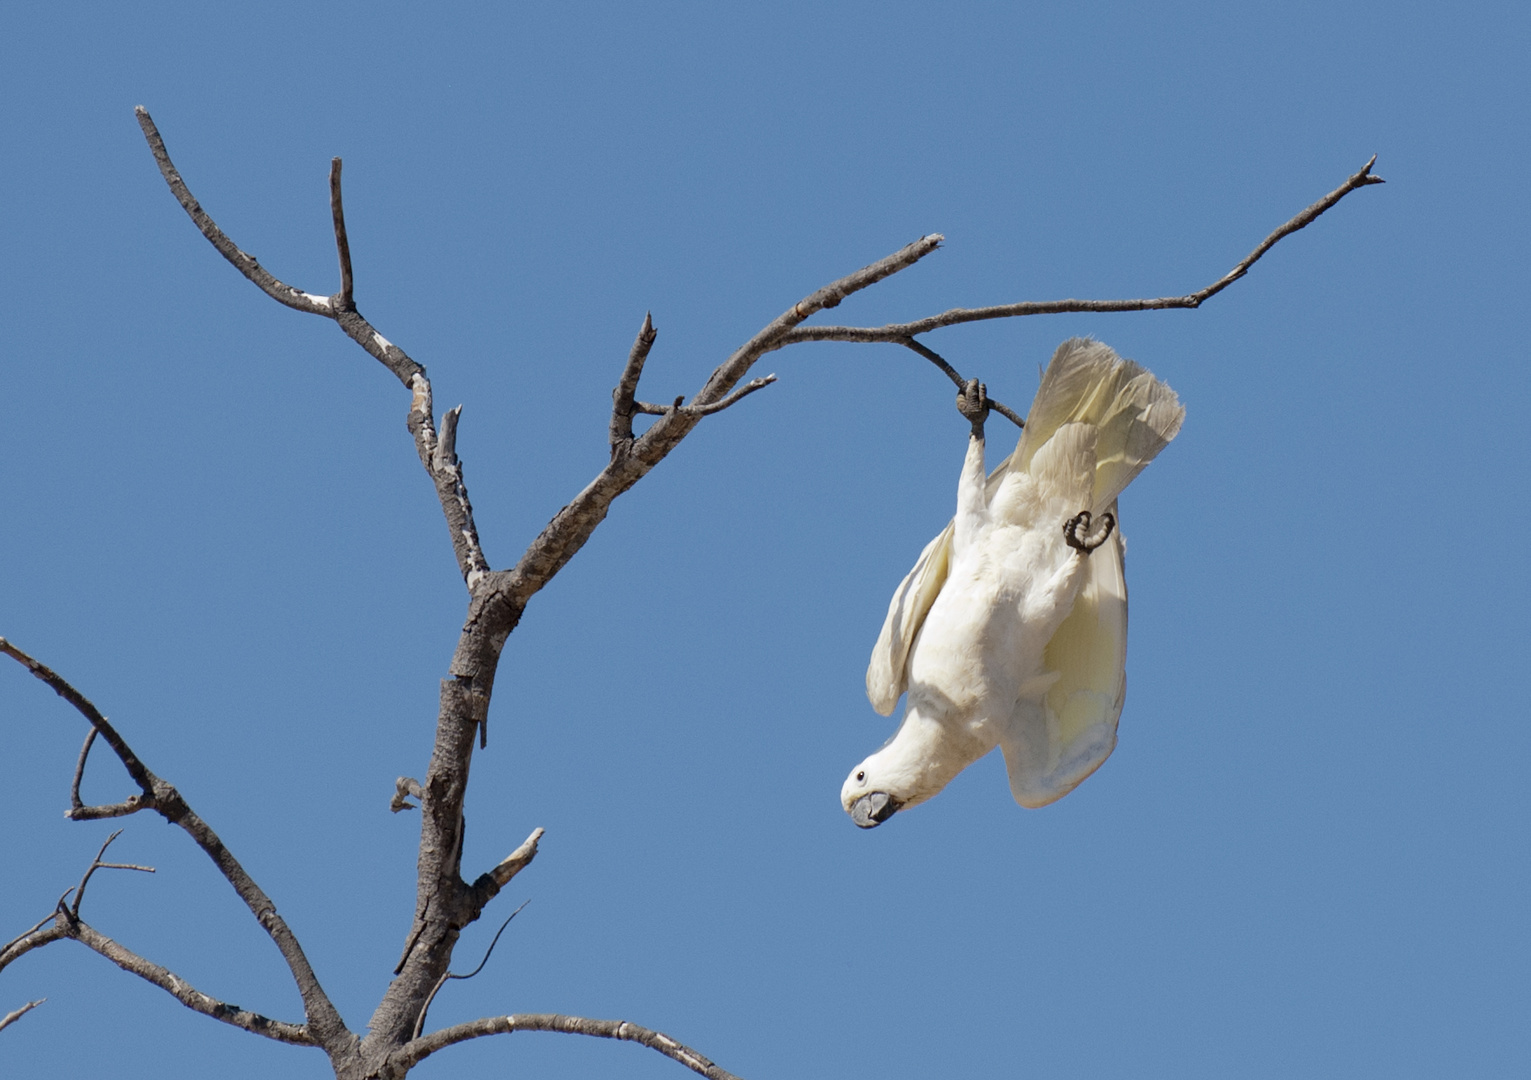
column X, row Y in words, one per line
column 11, row 1017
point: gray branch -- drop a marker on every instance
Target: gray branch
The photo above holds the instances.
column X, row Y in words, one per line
column 65, row 923
column 97, row 864
column 416, row 1050
column 184, row 992
column 899, row 333
column 345, row 299
column 43, row 933
column 341, row 307
column 16, row 1014
column 961, row 383
column 704, row 410
column 622, row 404
column 323, row 1020
column 404, row 789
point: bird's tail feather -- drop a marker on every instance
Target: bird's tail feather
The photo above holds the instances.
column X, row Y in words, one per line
column 1134, row 413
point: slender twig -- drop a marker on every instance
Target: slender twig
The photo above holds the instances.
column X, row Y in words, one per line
column 344, row 299
column 417, row 1050
column 97, row 864
column 323, row 1019
column 16, row 1014
column 744, row 391
column 898, row 332
column 420, row 1023
column 79, row 772
column 951, row 373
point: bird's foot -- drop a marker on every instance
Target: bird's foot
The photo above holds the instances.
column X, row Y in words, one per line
column 1076, row 531
column 973, row 404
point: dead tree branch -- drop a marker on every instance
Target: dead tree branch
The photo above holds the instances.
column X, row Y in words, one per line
column 344, row 299
column 900, row 333
column 185, row 993
column 65, row 922
column 324, row 1022
column 16, row 1014
column 444, row 468
column 97, row 864
column 404, row 789
column 417, row 1050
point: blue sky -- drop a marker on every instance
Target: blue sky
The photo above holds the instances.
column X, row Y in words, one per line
column 1307, row 857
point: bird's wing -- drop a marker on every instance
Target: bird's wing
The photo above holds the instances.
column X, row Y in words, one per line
column 887, row 673
column 1056, row 738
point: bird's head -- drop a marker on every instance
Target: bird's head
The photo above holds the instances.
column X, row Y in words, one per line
column 867, row 800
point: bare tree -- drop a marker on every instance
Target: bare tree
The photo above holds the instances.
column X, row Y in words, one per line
column 445, row 900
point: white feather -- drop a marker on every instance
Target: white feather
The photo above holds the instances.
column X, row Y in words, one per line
column 1003, row 634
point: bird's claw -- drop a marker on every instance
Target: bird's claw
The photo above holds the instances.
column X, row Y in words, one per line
column 973, row 404
column 1076, row 531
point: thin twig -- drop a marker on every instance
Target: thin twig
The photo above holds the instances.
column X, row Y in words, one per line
column 79, row 772
column 16, row 1014
column 951, row 373
column 417, row 1050
column 323, row 1019
column 676, row 406
column 718, row 406
column 344, row 299
column 420, row 1023
column 97, row 864
column 898, row 332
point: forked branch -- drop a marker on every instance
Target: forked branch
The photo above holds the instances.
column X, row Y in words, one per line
column 323, row 1021
column 65, row 923
column 901, row 333
column 444, row 469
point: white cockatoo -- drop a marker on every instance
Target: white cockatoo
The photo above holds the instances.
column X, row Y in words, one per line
column 1011, row 629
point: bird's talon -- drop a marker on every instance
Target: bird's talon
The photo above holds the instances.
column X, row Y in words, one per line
column 1076, row 531
column 973, row 404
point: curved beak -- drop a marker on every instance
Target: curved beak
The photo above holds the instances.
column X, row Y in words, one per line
column 873, row 808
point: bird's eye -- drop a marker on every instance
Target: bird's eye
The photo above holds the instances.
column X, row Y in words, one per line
column 861, row 776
